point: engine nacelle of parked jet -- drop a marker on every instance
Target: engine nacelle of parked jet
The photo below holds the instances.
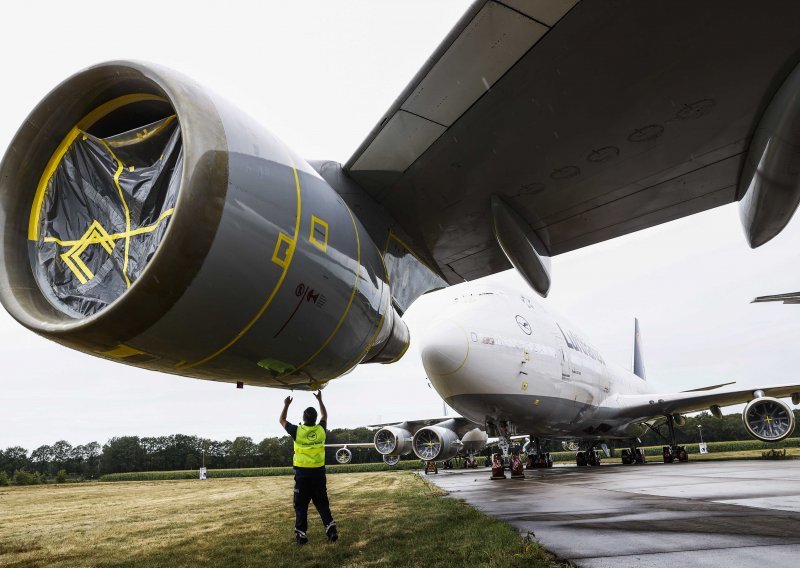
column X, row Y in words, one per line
column 147, row 221
column 344, row 456
column 436, row 443
column 391, row 460
column 474, row 441
column 393, row 441
column 768, row 419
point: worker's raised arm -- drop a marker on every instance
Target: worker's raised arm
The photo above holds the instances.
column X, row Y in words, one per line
column 286, row 404
column 323, row 412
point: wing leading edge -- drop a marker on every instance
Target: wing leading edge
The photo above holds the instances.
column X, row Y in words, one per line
column 645, row 407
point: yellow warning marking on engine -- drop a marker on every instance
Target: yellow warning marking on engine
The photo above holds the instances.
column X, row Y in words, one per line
column 120, row 167
column 97, row 235
column 144, row 134
column 117, row 236
column 524, row 385
column 85, row 123
column 286, row 265
column 373, row 339
column 320, row 244
column 349, row 301
column 281, row 254
column 122, row 351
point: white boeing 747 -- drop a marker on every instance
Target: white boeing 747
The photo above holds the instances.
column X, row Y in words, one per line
column 508, row 363
column 515, row 370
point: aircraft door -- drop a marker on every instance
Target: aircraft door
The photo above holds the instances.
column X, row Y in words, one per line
column 566, row 367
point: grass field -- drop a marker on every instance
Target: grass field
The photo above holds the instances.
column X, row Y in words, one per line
column 384, row 519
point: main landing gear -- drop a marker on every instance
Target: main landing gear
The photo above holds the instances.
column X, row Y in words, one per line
column 673, row 451
column 470, row 462
column 590, row 457
column 537, row 458
column 633, row 456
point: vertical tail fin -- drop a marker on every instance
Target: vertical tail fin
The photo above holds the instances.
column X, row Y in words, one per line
column 638, row 359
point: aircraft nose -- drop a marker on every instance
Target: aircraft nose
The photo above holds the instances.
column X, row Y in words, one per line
column 445, row 348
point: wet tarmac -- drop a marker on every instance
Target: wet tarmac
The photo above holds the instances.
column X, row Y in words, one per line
column 725, row 513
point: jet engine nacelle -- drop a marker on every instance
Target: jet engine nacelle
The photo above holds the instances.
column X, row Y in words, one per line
column 436, row 443
column 391, row 460
column 344, row 456
column 768, row 419
column 393, row 441
column 147, row 221
column 474, row 441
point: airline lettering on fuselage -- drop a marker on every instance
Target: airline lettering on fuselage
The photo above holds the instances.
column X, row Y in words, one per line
column 575, row 343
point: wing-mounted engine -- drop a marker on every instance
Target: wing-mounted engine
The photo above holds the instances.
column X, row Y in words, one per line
column 433, row 443
column 147, row 221
column 344, row 456
column 768, row 419
column 474, row 441
column 393, row 441
column 391, row 460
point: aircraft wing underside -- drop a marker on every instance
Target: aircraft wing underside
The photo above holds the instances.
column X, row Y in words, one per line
column 590, row 119
column 790, row 298
column 647, row 406
column 458, row 424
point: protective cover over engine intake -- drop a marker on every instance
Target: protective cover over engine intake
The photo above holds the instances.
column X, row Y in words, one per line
column 123, row 189
column 147, row 221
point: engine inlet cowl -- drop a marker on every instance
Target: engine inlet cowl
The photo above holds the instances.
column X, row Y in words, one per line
column 436, row 443
column 768, row 419
column 393, row 441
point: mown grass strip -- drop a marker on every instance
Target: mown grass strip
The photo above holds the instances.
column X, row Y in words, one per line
column 256, row 471
column 384, row 519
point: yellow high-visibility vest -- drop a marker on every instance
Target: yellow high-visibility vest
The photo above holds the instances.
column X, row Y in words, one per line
column 309, row 446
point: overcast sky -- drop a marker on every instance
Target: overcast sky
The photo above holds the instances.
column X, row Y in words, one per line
column 320, row 75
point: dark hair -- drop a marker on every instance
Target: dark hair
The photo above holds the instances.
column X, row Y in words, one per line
column 310, row 416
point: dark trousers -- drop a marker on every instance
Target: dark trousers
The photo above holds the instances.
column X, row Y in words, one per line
column 307, row 489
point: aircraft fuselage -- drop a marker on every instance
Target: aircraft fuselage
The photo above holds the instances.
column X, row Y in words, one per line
column 500, row 356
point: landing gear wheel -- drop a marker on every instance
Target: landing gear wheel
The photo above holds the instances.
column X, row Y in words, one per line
column 498, row 468
column 580, row 459
column 592, row 458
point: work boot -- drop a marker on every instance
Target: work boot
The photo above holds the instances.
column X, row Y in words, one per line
column 301, row 538
column 331, row 532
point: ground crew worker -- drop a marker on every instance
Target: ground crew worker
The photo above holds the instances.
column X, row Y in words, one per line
column 309, row 469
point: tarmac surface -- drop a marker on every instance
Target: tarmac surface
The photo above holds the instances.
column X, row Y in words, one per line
column 712, row 513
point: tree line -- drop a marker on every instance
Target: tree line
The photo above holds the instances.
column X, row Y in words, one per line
column 180, row 452
column 167, row 453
